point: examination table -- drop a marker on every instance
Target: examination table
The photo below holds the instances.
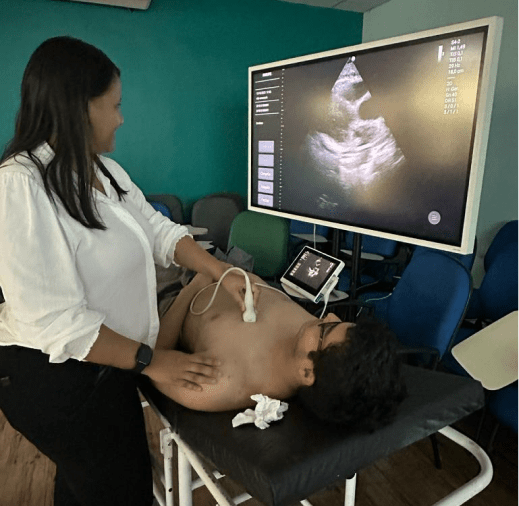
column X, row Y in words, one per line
column 299, row 455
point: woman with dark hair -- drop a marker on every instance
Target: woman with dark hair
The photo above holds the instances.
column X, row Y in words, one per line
column 77, row 270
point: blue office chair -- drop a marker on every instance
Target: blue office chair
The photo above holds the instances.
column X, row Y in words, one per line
column 429, row 302
column 494, row 299
column 169, row 205
column 386, row 248
column 503, row 406
column 427, row 306
column 162, row 208
column 302, row 227
column 467, row 260
column 497, row 295
column 506, row 235
column 381, row 265
column 377, row 294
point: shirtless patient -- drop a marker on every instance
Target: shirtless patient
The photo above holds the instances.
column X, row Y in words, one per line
column 354, row 379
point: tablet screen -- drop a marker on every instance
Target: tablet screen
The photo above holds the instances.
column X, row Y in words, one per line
column 311, row 270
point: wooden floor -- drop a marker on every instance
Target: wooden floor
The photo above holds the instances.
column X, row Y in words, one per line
column 407, row 478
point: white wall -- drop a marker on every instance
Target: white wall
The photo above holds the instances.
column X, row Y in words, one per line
column 500, row 183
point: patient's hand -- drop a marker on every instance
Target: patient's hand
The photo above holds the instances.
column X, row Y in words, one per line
column 191, row 371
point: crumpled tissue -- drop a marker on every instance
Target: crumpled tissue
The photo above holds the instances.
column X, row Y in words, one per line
column 267, row 410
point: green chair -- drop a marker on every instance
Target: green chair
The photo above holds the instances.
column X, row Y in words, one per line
column 264, row 237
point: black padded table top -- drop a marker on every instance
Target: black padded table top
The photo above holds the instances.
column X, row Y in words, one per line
column 299, row 455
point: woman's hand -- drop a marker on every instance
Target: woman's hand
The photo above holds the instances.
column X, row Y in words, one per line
column 191, row 371
column 189, row 254
column 235, row 284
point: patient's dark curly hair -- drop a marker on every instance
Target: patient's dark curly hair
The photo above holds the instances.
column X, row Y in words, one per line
column 358, row 382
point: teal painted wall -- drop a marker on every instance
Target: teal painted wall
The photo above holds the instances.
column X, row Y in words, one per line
column 184, row 71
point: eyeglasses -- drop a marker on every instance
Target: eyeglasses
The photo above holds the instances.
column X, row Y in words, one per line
column 326, row 328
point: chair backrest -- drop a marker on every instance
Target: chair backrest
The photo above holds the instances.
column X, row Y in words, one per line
column 386, row 248
column 506, row 235
column 466, row 260
column 498, row 291
column 265, row 237
column 429, row 302
column 172, row 203
column 302, row 227
column 162, row 208
column 216, row 212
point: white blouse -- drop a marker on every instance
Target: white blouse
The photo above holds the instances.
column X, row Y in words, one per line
column 61, row 280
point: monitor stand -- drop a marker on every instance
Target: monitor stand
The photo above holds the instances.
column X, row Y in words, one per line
column 355, row 266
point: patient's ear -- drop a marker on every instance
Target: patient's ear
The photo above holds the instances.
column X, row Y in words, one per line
column 306, row 375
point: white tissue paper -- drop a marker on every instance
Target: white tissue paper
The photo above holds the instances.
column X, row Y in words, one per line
column 267, row 410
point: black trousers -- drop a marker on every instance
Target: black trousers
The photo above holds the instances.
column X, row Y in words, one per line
column 87, row 419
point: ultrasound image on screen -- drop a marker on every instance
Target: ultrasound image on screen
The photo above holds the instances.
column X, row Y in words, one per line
column 311, row 271
column 380, row 139
column 348, row 152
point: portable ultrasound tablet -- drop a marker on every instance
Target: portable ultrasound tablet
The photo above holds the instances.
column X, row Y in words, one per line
column 313, row 274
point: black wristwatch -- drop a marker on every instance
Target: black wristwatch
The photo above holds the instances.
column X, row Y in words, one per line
column 142, row 358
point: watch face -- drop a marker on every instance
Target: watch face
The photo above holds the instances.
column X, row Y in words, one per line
column 144, row 356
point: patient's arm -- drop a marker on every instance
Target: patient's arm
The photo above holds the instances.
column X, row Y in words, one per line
column 223, row 396
column 171, row 322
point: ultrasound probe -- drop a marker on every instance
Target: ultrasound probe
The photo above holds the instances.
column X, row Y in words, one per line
column 249, row 315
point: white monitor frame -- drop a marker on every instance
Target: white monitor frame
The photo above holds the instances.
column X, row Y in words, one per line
column 483, row 112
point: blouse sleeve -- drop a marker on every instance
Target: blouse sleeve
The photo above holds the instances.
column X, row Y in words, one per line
column 44, row 294
column 166, row 232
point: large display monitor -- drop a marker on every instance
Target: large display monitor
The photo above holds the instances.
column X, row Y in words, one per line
column 386, row 138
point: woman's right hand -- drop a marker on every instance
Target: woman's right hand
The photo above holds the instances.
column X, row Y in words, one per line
column 191, row 371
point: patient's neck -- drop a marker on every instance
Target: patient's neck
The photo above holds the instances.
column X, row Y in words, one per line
column 290, row 362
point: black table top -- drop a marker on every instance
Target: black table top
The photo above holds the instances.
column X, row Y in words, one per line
column 300, row 455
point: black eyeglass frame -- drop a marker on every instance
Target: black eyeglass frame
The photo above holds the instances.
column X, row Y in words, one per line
column 324, row 326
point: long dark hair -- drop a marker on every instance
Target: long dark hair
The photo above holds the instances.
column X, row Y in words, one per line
column 62, row 76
